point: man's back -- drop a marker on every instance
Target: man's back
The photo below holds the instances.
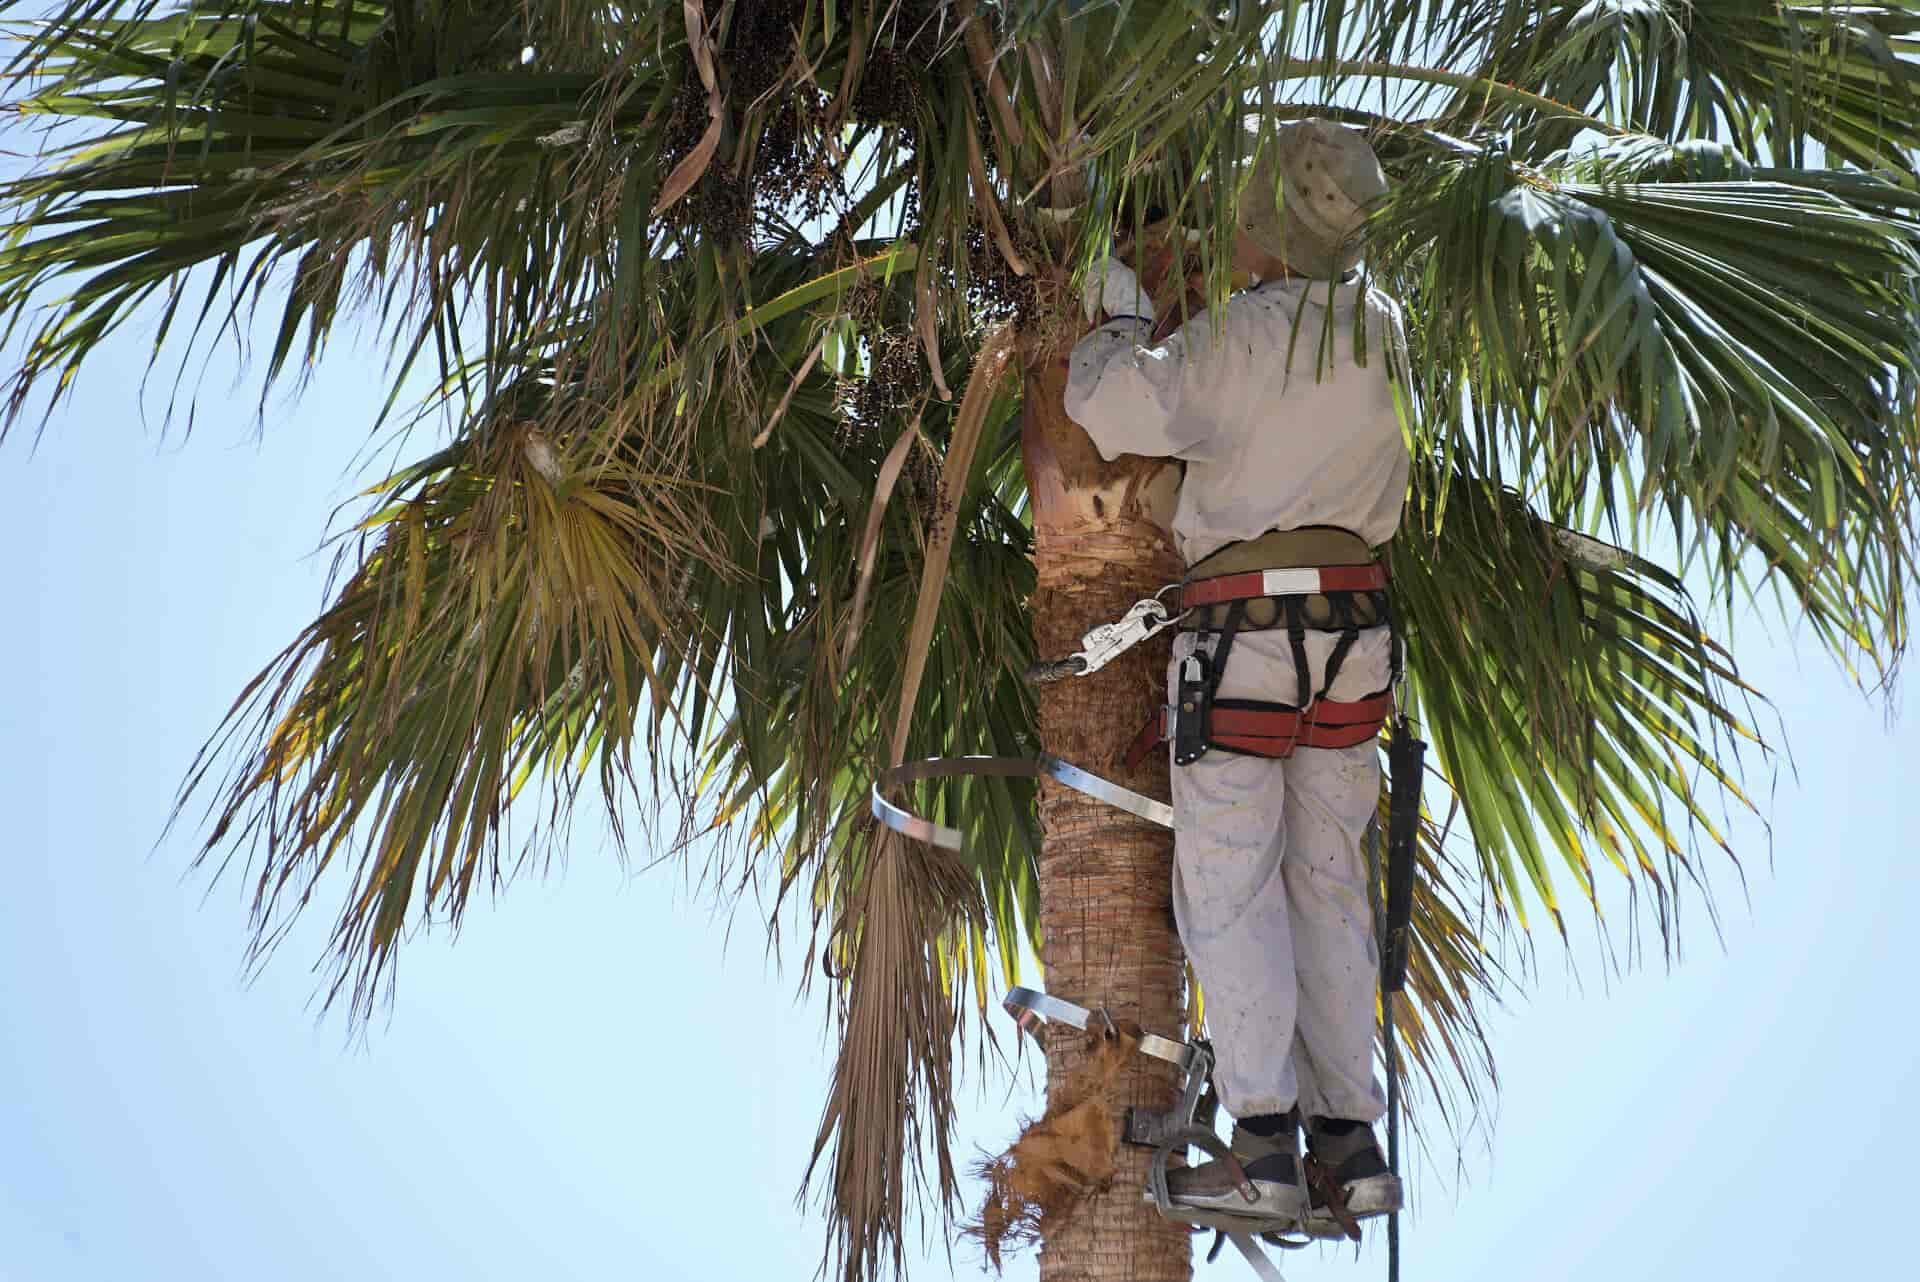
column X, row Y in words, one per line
column 1279, row 424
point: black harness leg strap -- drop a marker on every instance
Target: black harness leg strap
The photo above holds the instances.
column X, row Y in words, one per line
column 1230, row 628
column 1336, row 657
column 1297, row 638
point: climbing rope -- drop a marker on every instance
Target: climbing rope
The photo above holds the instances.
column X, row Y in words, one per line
column 1393, row 1138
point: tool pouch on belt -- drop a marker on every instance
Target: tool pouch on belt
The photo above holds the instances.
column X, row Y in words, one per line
column 1192, row 710
column 1406, row 757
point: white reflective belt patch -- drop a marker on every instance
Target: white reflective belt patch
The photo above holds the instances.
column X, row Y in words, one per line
column 1303, row 581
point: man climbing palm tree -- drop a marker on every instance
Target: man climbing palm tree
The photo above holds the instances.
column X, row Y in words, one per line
column 1284, row 413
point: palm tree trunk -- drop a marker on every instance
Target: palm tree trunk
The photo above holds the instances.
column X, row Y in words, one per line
column 1106, row 917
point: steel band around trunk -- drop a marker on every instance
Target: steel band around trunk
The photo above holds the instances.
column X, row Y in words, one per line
column 1030, row 1009
column 908, row 824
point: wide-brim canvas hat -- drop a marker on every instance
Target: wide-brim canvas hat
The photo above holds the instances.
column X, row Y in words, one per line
column 1307, row 200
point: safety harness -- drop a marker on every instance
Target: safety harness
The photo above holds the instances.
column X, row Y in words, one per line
column 1219, row 602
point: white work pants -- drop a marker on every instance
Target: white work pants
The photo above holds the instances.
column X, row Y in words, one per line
column 1270, row 892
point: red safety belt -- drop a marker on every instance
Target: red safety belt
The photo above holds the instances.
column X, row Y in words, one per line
column 1284, row 582
column 1256, row 729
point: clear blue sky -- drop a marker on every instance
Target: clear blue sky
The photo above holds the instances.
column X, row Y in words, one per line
column 591, row 1083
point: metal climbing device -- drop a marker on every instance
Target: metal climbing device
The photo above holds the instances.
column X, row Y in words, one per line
column 1190, row 1122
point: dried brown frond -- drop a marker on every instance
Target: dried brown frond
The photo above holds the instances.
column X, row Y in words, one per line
column 909, row 910
column 892, row 1090
column 686, row 118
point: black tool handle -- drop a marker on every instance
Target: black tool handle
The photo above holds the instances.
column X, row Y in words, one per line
column 1406, row 762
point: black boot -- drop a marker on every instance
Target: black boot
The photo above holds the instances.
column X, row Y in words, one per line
column 1352, row 1158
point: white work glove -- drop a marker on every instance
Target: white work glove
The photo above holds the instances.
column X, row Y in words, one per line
column 1113, row 288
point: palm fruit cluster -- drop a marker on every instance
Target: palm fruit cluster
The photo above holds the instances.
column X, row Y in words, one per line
column 892, row 79
column 910, row 209
column 889, row 92
column 926, row 488
column 995, row 291
column 894, row 377
column 863, row 299
column 851, row 430
column 759, row 47
column 791, row 164
column 721, row 205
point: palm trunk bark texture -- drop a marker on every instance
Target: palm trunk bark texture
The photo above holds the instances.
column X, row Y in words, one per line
column 1106, row 918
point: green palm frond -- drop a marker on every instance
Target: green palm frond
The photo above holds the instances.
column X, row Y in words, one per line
column 691, row 272
column 565, row 584
column 338, row 157
column 1578, row 711
column 1735, row 357
column 416, row 165
column 1772, row 79
column 496, row 625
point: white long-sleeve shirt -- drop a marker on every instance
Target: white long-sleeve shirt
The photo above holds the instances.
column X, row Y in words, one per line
column 1277, row 430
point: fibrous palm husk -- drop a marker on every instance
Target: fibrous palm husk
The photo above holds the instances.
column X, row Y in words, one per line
column 1060, row 1158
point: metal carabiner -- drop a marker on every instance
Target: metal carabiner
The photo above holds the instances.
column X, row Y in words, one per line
column 1103, row 644
column 1108, row 641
